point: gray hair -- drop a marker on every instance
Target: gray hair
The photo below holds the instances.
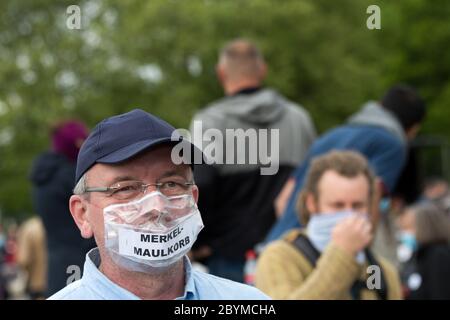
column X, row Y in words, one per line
column 432, row 224
column 80, row 187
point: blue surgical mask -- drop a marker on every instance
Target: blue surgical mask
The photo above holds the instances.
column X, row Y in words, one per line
column 407, row 246
column 320, row 228
column 385, row 205
column 408, row 239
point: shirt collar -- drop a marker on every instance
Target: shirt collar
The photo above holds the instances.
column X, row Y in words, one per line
column 106, row 289
column 96, row 281
column 189, row 288
column 248, row 90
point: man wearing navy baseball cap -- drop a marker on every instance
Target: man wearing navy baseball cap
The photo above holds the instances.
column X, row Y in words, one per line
column 141, row 208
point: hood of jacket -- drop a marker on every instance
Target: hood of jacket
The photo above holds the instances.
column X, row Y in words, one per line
column 373, row 114
column 45, row 167
column 261, row 107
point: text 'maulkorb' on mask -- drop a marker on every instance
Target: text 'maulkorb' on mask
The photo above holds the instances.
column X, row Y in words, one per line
column 152, row 232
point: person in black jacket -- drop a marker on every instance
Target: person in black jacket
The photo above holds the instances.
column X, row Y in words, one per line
column 426, row 234
column 53, row 179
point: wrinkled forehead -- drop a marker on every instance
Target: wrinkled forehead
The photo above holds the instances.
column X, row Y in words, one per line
column 148, row 166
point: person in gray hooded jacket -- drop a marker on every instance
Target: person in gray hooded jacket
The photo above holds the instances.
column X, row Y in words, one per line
column 263, row 137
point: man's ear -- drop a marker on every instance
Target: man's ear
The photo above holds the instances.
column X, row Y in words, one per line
column 310, row 203
column 220, row 72
column 78, row 209
column 195, row 193
column 262, row 71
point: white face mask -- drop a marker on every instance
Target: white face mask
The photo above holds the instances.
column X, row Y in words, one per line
column 151, row 233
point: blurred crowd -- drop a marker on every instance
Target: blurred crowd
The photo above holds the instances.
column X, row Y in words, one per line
column 302, row 233
column 37, row 255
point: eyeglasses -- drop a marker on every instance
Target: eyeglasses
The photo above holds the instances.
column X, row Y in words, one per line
column 126, row 190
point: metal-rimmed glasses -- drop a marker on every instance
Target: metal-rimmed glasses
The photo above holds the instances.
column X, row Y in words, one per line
column 126, row 190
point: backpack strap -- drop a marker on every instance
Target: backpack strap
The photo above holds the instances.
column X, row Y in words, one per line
column 304, row 245
column 357, row 287
column 382, row 292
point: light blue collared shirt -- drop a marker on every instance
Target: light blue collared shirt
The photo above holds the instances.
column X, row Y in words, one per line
column 94, row 285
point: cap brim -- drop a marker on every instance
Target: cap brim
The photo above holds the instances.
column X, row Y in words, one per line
column 134, row 149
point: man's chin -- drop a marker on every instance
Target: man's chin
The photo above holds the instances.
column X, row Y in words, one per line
column 130, row 265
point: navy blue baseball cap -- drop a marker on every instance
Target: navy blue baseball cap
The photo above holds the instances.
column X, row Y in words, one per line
column 121, row 137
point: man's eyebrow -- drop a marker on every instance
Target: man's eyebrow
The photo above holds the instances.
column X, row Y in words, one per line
column 123, row 178
column 171, row 173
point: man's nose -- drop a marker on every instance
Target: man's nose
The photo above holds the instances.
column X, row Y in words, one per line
column 348, row 207
column 150, row 189
column 157, row 202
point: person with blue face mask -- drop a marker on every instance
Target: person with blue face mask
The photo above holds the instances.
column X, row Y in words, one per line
column 331, row 257
column 380, row 130
column 424, row 252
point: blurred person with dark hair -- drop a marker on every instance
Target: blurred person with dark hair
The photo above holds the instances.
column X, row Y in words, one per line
column 53, row 179
column 425, row 250
column 330, row 258
column 380, row 131
column 32, row 256
column 237, row 200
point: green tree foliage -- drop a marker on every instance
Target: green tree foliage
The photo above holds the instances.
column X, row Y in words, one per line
column 161, row 56
column 417, row 39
